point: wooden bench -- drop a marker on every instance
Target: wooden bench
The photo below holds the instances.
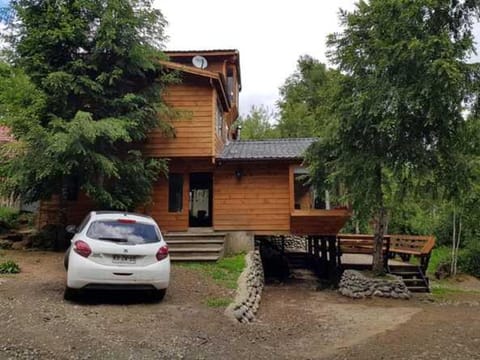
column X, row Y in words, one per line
column 411, row 245
column 403, row 245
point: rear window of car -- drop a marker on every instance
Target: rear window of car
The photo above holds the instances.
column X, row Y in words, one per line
column 125, row 232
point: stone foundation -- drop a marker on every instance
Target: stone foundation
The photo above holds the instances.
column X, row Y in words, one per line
column 356, row 285
column 249, row 290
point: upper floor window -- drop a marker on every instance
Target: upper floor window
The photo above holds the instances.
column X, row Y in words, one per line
column 219, row 119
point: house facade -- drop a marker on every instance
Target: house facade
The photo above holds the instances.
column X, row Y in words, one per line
column 217, row 181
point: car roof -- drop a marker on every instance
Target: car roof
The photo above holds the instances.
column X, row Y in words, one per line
column 109, row 215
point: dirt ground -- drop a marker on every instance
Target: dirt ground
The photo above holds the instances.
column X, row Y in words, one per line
column 294, row 322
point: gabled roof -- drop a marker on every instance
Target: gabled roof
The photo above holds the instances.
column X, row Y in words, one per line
column 217, row 78
column 275, row 149
column 232, row 54
column 5, row 135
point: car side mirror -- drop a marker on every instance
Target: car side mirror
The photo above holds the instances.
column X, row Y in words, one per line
column 71, row 229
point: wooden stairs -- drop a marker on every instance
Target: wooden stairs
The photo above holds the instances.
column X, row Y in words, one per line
column 195, row 246
column 297, row 260
column 413, row 277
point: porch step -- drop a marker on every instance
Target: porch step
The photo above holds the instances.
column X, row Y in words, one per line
column 297, row 260
column 199, row 246
column 412, row 276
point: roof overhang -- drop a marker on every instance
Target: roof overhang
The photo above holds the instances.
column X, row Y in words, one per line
column 233, row 53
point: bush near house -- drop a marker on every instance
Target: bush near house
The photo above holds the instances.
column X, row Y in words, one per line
column 8, row 218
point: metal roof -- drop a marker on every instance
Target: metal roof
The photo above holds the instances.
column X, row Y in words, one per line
column 275, row 149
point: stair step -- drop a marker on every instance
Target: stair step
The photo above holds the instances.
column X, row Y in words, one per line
column 194, row 258
column 194, row 235
column 418, row 289
column 204, row 241
column 407, row 275
column 196, row 249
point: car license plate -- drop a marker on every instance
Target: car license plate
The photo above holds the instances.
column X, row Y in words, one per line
column 123, row 259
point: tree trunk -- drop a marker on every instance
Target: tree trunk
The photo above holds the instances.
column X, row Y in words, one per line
column 381, row 219
column 378, row 267
column 454, row 245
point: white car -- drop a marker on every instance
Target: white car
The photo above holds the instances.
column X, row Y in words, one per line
column 116, row 250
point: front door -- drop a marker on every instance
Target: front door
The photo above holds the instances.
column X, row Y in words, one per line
column 200, row 209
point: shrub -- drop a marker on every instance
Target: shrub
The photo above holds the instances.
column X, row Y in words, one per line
column 8, row 218
column 9, row 267
column 469, row 260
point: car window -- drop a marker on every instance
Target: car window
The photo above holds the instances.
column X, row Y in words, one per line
column 123, row 231
column 84, row 223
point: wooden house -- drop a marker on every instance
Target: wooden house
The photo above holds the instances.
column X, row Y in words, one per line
column 218, row 183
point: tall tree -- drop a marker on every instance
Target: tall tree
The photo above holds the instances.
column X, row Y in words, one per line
column 93, row 67
column 407, row 82
column 305, row 105
column 258, row 124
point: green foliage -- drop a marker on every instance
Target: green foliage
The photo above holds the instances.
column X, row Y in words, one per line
column 8, row 218
column 82, row 91
column 225, row 272
column 218, row 302
column 306, row 99
column 9, row 267
column 400, row 105
column 257, row 124
column 439, row 255
column 469, row 260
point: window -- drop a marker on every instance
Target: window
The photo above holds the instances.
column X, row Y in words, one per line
column 305, row 195
column 175, row 193
column 118, row 231
column 230, row 89
column 219, row 119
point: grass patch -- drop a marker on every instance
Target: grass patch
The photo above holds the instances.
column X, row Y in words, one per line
column 218, row 302
column 9, row 267
column 439, row 254
column 225, row 271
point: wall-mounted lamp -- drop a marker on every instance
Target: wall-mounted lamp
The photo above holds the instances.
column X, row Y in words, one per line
column 238, row 174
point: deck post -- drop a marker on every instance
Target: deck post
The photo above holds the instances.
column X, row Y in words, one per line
column 332, row 255
column 323, row 249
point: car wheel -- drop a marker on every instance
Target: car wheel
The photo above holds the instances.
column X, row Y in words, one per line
column 70, row 294
column 158, row 295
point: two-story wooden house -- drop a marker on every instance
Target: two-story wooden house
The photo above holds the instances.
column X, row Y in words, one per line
column 218, row 183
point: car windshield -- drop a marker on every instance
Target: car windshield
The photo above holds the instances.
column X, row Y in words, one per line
column 122, row 231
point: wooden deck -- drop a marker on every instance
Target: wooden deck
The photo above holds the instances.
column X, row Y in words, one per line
column 318, row 222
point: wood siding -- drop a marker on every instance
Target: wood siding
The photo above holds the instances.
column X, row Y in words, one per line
column 158, row 208
column 193, row 131
column 259, row 201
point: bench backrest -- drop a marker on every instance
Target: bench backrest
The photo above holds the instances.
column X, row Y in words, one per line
column 363, row 244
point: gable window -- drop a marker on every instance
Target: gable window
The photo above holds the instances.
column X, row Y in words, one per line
column 175, row 193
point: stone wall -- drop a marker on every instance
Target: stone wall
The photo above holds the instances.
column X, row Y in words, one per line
column 356, row 285
column 249, row 290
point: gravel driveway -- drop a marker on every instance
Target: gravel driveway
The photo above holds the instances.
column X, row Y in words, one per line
column 294, row 322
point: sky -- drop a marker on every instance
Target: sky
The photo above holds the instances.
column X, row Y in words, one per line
column 270, row 36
